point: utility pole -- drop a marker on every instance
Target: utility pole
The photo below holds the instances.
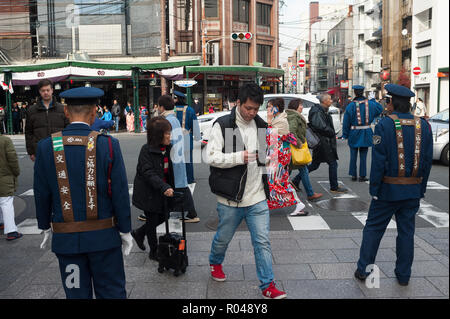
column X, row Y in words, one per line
column 163, row 44
column 204, row 33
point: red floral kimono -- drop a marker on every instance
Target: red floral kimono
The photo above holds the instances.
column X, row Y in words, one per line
column 279, row 154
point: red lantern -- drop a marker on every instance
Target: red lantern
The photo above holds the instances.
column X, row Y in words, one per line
column 385, row 75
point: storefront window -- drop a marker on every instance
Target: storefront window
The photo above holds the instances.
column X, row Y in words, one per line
column 240, row 53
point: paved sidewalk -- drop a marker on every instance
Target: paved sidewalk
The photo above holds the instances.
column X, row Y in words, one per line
column 307, row 264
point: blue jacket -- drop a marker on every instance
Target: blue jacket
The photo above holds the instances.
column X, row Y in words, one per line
column 101, row 124
column 107, row 116
column 359, row 138
column 177, row 153
column 48, row 203
column 385, row 160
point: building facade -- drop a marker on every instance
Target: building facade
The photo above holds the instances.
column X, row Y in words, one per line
column 340, row 57
column 430, row 52
column 205, row 27
column 367, row 48
column 322, row 17
column 97, row 28
column 15, row 35
column 396, row 41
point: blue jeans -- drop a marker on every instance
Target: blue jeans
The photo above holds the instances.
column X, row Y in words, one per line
column 332, row 172
column 362, row 161
column 116, row 121
column 258, row 222
column 303, row 175
column 380, row 214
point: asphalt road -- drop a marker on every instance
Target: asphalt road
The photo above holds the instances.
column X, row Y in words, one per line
column 330, row 212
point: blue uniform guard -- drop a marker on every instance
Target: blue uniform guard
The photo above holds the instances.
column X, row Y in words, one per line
column 401, row 164
column 96, row 253
column 358, row 117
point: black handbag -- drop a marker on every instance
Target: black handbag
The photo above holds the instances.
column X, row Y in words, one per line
column 312, row 138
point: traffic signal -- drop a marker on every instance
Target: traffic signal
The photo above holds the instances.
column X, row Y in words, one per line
column 241, row 36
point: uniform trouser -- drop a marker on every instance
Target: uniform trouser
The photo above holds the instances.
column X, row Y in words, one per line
column 103, row 269
column 7, row 214
column 362, row 161
column 380, row 214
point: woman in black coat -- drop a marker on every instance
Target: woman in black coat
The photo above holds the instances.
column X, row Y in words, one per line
column 154, row 182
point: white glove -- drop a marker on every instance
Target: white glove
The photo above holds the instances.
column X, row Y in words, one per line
column 46, row 237
column 371, row 95
column 375, row 198
column 127, row 243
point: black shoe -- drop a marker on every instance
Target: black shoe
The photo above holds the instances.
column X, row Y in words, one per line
column 339, row 190
column 354, row 178
column 138, row 239
column 142, row 217
column 13, row 236
column 363, row 179
column 403, row 283
column 153, row 255
column 360, row 276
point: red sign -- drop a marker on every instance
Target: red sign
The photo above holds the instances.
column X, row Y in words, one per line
column 385, row 75
column 301, row 63
column 417, row 70
column 344, row 84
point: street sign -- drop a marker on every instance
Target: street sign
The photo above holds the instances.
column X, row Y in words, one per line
column 417, row 70
column 294, row 82
column 294, row 77
column 185, row 83
column 301, row 63
column 294, row 67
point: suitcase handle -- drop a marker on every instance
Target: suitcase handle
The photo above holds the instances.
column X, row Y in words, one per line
column 166, row 209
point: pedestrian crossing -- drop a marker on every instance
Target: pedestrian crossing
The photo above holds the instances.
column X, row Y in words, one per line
column 427, row 216
column 20, row 146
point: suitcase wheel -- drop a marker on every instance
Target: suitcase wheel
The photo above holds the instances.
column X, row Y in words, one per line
column 176, row 273
column 160, row 269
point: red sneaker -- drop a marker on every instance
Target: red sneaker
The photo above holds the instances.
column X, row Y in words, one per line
column 272, row 292
column 217, row 273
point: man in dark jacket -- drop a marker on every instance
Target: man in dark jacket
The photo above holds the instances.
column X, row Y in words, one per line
column 115, row 111
column 43, row 118
column 322, row 124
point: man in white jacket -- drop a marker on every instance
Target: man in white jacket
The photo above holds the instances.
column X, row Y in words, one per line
column 241, row 186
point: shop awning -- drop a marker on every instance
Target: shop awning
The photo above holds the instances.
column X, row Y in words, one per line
column 32, row 74
column 235, row 70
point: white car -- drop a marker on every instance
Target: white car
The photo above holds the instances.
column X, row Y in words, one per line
column 206, row 121
column 440, row 126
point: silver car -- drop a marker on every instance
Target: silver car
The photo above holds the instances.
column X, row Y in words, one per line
column 440, row 126
column 206, row 121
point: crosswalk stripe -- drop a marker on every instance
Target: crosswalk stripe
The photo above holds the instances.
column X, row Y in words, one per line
column 433, row 215
column 310, row 222
column 29, row 227
column 362, row 217
column 434, row 185
column 326, row 186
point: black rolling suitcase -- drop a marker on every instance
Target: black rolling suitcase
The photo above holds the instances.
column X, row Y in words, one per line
column 172, row 246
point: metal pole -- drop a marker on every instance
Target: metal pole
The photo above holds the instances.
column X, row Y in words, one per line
column 163, row 44
column 135, row 79
column 9, row 126
column 188, row 92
